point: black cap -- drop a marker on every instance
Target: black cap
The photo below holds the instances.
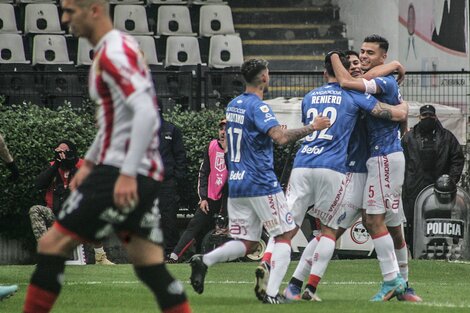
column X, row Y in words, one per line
column 427, row 109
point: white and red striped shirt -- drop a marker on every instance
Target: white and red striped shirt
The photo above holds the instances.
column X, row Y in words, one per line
column 127, row 116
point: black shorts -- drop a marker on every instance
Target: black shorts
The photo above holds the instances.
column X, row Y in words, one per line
column 89, row 213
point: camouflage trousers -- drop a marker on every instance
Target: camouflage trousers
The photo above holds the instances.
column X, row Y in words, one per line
column 42, row 219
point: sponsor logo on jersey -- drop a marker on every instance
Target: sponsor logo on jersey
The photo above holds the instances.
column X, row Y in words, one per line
column 386, row 171
column 237, row 175
column 264, row 108
column 289, row 218
column 444, row 228
column 312, row 150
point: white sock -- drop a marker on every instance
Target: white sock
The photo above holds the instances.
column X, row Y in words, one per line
column 402, row 258
column 386, row 255
column 174, row 256
column 99, row 250
column 279, row 263
column 321, row 257
column 303, row 268
column 229, row 251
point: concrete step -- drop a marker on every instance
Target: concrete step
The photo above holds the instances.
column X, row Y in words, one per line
column 306, row 15
column 291, row 62
column 274, row 3
column 290, row 31
column 293, row 47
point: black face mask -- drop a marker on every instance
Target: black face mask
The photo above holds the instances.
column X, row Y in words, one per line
column 428, row 125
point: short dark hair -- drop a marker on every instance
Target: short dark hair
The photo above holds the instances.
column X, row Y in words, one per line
column 251, row 68
column 348, row 53
column 329, row 66
column 383, row 43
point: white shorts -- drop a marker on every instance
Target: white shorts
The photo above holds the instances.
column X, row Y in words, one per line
column 321, row 188
column 352, row 202
column 382, row 193
column 247, row 216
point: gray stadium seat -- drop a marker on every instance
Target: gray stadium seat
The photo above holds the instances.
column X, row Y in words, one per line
column 174, row 20
column 182, row 50
column 215, row 20
column 50, row 49
column 8, row 19
column 225, row 51
column 36, row 1
column 12, row 49
column 204, row 2
column 167, row 2
column 84, row 52
column 132, row 19
column 126, row 2
column 147, row 45
column 42, row 18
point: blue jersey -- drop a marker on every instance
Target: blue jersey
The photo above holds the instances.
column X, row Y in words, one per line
column 328, row 148
column 358, row 149
column 250, row 149
column 383, row 134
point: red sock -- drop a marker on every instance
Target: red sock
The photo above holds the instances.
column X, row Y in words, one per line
column 38, row 300
column 179, row 308
column 314, row 280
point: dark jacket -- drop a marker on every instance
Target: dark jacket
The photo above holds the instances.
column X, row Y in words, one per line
column 172, row 152
column 447, row 158
column 55, row 185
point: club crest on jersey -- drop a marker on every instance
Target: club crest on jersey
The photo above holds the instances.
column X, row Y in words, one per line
column 220, row 161
column 264, row 108
column 289, row 218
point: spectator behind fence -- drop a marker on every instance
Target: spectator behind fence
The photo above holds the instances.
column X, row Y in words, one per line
column 212, row 189
column 173, row 155
column 8, row 159
column 430, row 151
column 54, row 182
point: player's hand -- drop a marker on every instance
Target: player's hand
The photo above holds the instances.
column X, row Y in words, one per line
column 329, row 54
column 321, row 122
column 125, row 193
column 204, row 206
column 80, row 176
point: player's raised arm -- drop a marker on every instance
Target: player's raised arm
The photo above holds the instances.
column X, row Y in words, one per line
column 395, row 113
column 283, row 136
column 386, row 69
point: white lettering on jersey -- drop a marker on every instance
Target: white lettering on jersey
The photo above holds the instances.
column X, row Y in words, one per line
column 236, row 118
column 237, row 175
column 312, row 150
column 326, row 99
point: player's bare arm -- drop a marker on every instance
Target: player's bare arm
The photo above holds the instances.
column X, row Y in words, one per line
column 395, row 113
column 283, row 136
column 346, row 80
column 387, row 69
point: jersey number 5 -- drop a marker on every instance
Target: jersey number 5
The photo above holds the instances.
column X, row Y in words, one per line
column 329, row 112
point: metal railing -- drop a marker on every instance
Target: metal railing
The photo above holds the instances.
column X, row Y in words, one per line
column 198, row 88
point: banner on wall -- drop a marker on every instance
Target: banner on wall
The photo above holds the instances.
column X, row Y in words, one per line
column 434, row 35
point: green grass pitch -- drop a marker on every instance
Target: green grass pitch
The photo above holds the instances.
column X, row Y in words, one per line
column 346, row 287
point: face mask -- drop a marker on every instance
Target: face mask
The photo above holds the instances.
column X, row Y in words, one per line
column 428, row 125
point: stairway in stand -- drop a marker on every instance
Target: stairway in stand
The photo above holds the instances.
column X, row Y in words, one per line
column 291, row 34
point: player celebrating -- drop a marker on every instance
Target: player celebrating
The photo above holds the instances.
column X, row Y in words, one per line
column 119, row 192
column 255, row 195
column 385, row 166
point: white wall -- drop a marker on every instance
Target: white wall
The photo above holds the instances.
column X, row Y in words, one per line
column 366, row 17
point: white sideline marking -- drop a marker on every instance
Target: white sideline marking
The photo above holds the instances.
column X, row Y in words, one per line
column 443, row 305
column 242, row 282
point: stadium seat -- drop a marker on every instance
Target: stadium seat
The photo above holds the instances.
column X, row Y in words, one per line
column 147, row 45
column 174, row 20
column 125, row 2
column 50, row 49
column 42, row 18
column 182, row 50
column 84, row 52
column 225, row 51
column 12, row 49
column 6, row 1
column 167, row 2
column 8, row 19
column 132, row 19
column 36, row 1
column 215, row 20
column 204, row 2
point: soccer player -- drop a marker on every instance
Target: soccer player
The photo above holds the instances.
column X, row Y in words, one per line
column 318, row 176
column 255, row 195
column 352, row 203
column 385, row 166
column 117, row 186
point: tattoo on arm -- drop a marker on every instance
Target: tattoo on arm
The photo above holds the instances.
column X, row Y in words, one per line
column 281, row 136
column 382, row 110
